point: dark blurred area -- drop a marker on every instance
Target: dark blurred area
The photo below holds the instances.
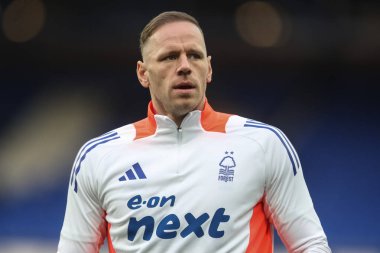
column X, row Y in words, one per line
column 311, row 68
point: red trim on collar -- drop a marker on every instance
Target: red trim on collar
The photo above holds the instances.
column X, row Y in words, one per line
column 147, row 126
column 213, row 121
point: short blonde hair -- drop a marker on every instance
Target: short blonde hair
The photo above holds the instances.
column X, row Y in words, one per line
column 162, row 19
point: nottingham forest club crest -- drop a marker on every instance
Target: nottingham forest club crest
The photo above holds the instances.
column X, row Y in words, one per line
column 227, row 165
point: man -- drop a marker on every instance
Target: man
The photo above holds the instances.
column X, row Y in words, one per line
column 187, row 178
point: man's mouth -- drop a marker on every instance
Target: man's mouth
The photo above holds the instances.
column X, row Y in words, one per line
column 184, row 86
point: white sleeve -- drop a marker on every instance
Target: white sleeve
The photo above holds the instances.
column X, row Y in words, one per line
column 288, row 203
column 84, row 226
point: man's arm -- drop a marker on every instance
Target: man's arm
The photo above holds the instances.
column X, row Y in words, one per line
column 84, row 226
column 288, row 203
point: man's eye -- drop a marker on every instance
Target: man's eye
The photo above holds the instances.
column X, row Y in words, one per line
column 194, row 56
column 170, row 57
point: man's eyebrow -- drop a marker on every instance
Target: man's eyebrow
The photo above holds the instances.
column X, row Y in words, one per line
column 174, row 51
column 169, row 51
column 195, row 51
column 163, row 53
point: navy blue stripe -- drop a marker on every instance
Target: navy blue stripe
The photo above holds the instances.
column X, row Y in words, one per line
column 95, row 140
column 291, row 147
column 280, row 137
column 282, row 134
column 139, row 171
column 255, row 122
column 91, row 148
column 85, row 146
column 84, row 156
column 130, row 174
column 107, row 133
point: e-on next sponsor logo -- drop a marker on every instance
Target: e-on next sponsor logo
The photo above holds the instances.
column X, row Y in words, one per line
column 169, row 226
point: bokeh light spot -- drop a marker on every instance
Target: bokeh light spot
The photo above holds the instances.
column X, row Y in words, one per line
column 259, row 24
column 23, row 20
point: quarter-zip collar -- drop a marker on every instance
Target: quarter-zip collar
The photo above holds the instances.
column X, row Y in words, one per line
column 207, row 120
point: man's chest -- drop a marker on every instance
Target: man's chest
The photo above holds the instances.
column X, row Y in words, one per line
column 182, row 189
column 183, row 175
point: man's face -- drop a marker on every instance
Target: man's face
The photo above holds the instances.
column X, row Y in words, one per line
column 176, row 69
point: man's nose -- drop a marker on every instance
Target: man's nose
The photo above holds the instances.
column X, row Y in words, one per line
column 183, row 65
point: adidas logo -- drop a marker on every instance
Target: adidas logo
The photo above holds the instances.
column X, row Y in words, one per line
column 131, row 174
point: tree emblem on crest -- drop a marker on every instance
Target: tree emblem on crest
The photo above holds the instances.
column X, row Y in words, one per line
column 226, row 164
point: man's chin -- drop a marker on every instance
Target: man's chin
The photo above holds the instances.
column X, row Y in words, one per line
column 185, row 106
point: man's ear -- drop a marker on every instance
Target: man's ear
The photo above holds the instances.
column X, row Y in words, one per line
column 209, row 73
column 142, row 74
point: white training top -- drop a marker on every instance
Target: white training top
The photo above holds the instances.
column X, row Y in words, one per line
column 216, row 184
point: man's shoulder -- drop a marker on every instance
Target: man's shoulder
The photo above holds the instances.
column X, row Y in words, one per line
column 109, row 140
column 254, row 129
column 123, row 132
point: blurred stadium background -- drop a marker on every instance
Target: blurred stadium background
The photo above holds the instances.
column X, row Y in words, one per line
column 311, row 68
